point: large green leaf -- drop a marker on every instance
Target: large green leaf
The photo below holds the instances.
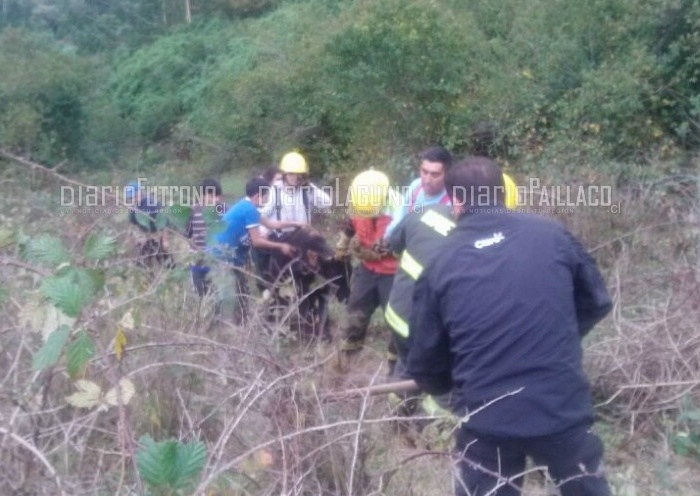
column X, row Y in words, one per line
column 68, row 291
column 98, row 247
column 161, row 221
column 50, row 352
column 47, row 249
column 155, row 461
column 170, row 463
column 189, row 462
column 80, row 351
column 148, row 222
column 178, row 216
column 92, row 279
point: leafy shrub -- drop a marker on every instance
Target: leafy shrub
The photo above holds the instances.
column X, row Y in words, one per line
column 171, row 465
column 41, row 98
column 405, row 71
column 157, row 85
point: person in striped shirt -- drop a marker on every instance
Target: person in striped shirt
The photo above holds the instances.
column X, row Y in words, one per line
column 204, row 213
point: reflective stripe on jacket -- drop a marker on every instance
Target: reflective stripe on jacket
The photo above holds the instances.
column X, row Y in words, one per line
column 498, row 319
column 418, row 238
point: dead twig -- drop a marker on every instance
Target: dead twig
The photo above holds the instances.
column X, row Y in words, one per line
column 38, row 454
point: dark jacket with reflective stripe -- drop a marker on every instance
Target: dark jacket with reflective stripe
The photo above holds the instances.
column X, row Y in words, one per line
column 418, row 239
column 503, row 309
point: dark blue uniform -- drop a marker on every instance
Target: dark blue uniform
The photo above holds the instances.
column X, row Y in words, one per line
column 501, row 313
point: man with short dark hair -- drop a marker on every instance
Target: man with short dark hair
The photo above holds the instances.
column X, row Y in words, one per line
column 498, row 320
column 241, row 231
column 428, row 189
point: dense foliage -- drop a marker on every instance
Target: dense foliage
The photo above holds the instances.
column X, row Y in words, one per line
column 94, row 83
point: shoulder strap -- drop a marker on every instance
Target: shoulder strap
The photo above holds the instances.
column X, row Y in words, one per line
column 305, row 199
column 414, row 196
column 278, row 202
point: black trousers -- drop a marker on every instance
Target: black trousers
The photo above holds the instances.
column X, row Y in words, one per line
column 368, row 291
column 200, row 278
column 495, row 466
column 261, row 263
column 241, row 315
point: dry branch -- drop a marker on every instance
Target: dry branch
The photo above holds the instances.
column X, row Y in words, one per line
column 408, row 386
column 38, row 454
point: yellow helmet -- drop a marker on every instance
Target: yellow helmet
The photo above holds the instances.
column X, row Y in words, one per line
column 511, row 192
column 294, row 163
column 368, row 192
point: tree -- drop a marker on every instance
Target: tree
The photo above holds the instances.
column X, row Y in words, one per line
column 41, row 99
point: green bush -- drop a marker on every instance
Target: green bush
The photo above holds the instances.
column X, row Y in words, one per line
column 41, row 97
column 676, row 35
column 157, row 85
column 403, row 72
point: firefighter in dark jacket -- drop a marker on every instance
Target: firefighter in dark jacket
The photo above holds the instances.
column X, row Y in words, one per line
column 418, row 239
column 498, row 320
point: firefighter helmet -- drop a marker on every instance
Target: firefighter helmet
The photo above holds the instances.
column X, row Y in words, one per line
column 511, row 190
column 294, row 163
column 368, row 193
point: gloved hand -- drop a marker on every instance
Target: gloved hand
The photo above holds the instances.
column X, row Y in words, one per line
column 342, row 248
column 381, row 247
column 341, row 253
column 363, row 253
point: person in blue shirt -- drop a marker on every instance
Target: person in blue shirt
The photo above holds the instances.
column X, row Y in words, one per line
column 241, row 231
column 428, row 189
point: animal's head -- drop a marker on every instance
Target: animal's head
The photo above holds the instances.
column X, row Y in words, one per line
column 321, row 256
column 314, row 257
column 312, row 248
column 314, row 243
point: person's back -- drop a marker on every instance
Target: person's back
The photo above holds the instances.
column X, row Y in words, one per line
column 418, row 239
column 232, row 243
column 517, row 327
column 498, row 321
